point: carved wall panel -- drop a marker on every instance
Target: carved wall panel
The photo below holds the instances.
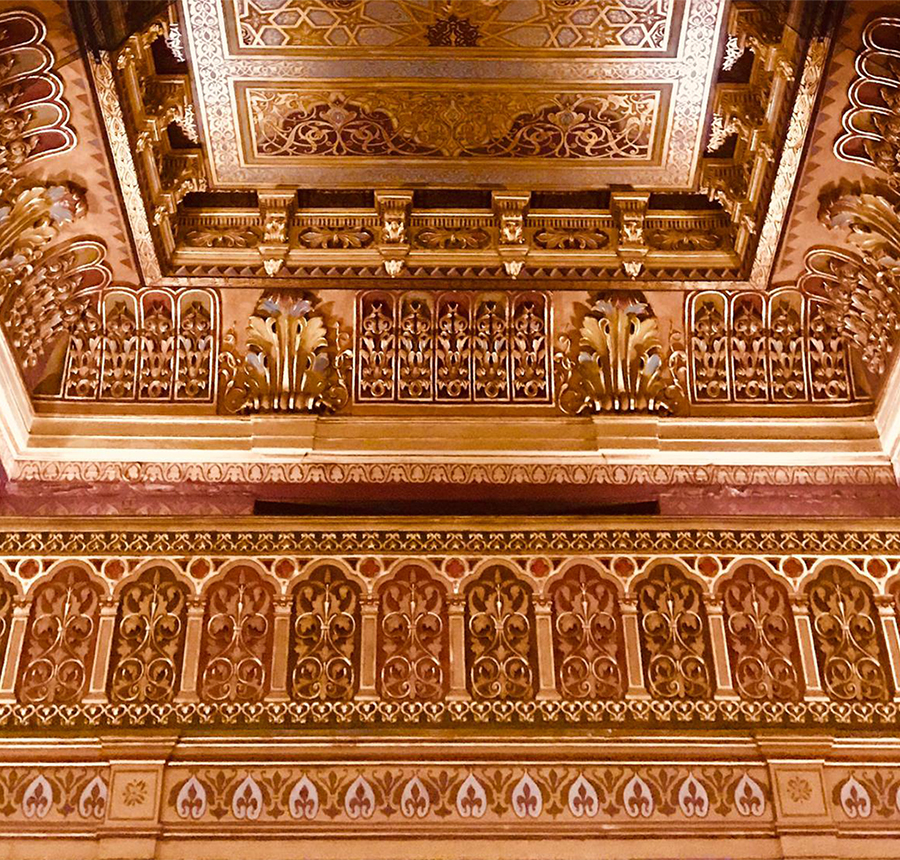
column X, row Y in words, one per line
column 326, row 637
column 762, row 637
column 326, row 627
column 776, row 347
column 674, row 636
column 413, row 644
column 148, row 643
column 236, row 646
column 587, row 636
column 36, row 119
column 609, row 124
column 452, row 347
column 849, row 637
column 148, row 345
column 60, row 639
column 872, row 122
column 500, row 641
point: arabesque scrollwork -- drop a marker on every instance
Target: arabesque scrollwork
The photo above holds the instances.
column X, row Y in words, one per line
column 326, row 637
column 149, row 639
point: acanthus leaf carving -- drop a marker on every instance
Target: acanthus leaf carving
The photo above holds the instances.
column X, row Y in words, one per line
column 292, row 362
column 618, row 364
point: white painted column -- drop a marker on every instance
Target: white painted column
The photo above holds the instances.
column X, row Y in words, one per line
column 633, row 658
column 14, row 647
column 190, row 667
column 546, row 663
column 102, row 654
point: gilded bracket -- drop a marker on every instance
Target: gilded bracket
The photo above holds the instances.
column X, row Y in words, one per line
column 393, row 216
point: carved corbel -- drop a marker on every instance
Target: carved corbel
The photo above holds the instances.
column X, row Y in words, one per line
column 618, row 364
column 512, row 246
column 277, row 210
column 292, row 362
column 393, row 217
column 629, row 209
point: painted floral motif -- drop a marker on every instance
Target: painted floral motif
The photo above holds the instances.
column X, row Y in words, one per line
column 855, row 800
column 527, row 801
column 304, row 799
column 190, row 801
column 92, row 802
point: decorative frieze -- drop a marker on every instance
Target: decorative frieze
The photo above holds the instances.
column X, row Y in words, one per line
column 171, row 628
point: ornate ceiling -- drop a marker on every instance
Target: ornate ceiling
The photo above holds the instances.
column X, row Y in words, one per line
column 246, row 241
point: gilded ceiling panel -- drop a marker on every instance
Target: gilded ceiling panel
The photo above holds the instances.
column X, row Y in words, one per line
column 488, row 122
column 638, row 27
column 433, row 102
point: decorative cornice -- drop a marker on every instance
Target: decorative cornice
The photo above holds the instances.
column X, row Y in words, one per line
column 459, row 472
column 180, row 536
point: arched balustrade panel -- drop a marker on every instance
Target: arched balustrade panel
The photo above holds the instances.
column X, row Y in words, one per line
column 500, row 641
column 848, row 636
column 587, row 636
column 325, row 630
column 236, row 645
column 60, row 639
column 149, row 638
column 674, row 636
column 761, row 636
column 413, row 648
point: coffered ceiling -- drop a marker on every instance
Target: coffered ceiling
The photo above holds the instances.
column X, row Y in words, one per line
column 367, row 234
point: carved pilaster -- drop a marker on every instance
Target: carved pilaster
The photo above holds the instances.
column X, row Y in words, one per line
column 102, row 654
column 808, row 658
column 887, row 613
column 721, row 662
column 281, row 637
column 543, row 619
column 633, row 655
column 368, row 651
column 10, row 672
